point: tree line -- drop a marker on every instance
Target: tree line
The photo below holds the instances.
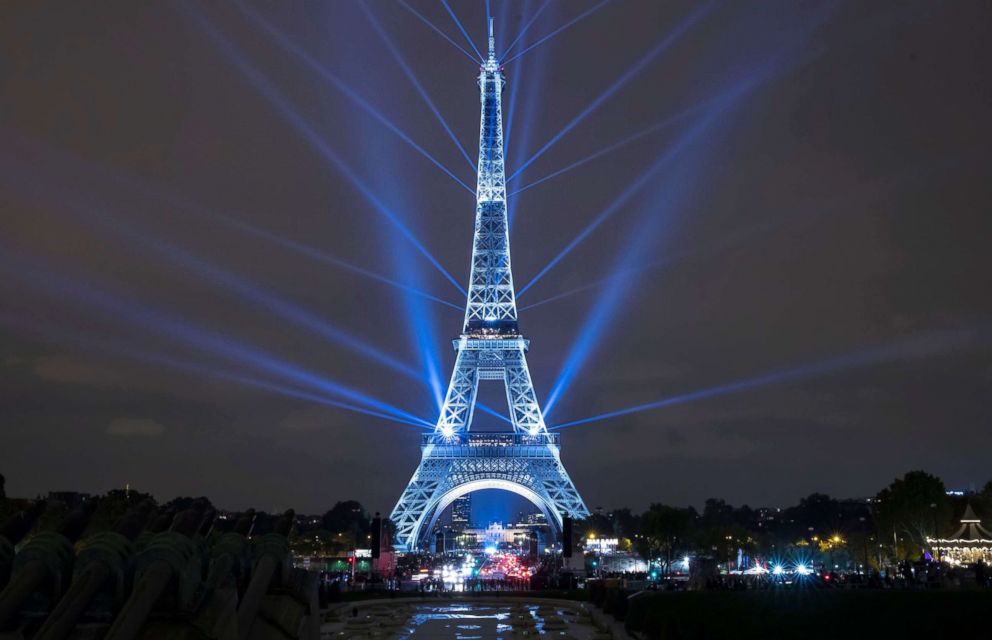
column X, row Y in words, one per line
column 892, row 525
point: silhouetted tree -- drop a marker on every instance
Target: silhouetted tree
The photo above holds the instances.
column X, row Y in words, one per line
column 113, row 505
column 348, row 520
column 817, row 510
column 912, row 507
column 625, row 523
column 984, row 502
column 716, row 513
column 663, row 529
column 185, row 502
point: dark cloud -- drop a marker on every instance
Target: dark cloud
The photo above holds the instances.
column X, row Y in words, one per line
column 134, row 428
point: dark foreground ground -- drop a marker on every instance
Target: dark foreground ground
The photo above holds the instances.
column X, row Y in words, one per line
column 812, row 614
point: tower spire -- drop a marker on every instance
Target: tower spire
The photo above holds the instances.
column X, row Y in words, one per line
column 491, row 301
column 492, row 43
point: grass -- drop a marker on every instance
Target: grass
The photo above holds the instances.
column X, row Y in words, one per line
column 812, row 614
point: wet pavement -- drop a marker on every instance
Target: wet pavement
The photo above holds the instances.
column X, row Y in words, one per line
column 465, row 621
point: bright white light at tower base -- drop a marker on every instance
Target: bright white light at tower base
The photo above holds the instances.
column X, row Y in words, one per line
column 447, row 431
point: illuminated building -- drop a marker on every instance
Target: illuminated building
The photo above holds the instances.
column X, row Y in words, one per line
column 461, row 512
column 969, row 544
column 455, row 461
column 496, row 535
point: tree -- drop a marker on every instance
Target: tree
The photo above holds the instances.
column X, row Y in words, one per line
column 984, row 506
column 114, row 505
column 817, row 511
column 721, row 542
column 349, row 522
column 182, row 503
column 912, row 508
column 717, row 513
column 625, row 523
column 662, row 528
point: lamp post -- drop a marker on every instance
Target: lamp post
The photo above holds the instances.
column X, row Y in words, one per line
column 933, row 506
column 864, row 539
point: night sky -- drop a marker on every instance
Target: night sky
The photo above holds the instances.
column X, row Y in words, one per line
column 802, row 266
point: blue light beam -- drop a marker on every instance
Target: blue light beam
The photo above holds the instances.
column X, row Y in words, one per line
column 600, row 218
column 634, row 137
column 439, row 32
column 377, row 25
column 242, row 287
column 633, row 71
column 714, row 107
column 523, row 30
column 146, row 356
column 643, row 233
column 930, row 345
column 285, row 108
column 584, row 14
column 117, row 309
column 678, row 182
column 493, row 412
column 462, row 29
column 13, row 164
column 329, row 259
column 329, row 77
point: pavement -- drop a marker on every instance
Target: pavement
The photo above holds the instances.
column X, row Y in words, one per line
column 468, row 618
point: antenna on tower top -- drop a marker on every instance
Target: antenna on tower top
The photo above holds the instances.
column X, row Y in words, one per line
column 492, row 41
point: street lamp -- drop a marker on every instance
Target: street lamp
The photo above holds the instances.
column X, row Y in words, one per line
column 933, row 505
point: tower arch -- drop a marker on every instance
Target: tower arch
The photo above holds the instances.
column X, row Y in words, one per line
column 550, row 510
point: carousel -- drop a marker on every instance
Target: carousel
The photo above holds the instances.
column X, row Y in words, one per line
column 970, row 544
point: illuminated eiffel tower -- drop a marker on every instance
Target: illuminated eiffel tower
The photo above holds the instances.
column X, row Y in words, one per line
column 454, row 460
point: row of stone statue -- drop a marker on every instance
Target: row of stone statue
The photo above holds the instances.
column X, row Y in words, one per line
column 157, row 573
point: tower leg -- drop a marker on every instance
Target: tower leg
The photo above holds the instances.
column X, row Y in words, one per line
column 524, row 409
column 459, row 402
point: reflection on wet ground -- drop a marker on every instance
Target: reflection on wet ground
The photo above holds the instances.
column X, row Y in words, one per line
column 466, row 621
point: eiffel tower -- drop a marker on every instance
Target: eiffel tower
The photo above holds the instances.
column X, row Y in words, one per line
column 456, row 461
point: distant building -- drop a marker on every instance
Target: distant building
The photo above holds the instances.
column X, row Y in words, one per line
column 461, row 512
column 305, row 524
column 497, row 535
column 71, row 499
column 536, row 518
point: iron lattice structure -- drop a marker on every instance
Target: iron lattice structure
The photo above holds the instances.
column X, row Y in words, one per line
column 454, row 461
